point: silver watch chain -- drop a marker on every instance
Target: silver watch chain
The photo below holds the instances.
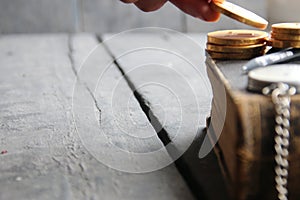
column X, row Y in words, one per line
column 281, row 97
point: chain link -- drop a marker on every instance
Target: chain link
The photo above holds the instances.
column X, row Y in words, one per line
column 281, row 96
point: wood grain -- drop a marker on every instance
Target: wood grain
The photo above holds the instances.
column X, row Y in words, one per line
column 154, row 82
column 45, row 157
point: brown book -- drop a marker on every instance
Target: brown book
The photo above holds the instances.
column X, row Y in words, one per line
column 244, row 122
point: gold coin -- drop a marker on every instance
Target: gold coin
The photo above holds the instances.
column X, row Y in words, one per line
column 285, row 43
column 288, row 28
column 238, row 13
column 232, row 56
column 237, row 37
column 236, row 49
column 285, row 36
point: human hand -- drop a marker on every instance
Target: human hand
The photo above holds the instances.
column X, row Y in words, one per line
column 196, row 8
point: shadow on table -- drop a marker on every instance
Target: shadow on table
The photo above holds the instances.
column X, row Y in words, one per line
column 203, row 176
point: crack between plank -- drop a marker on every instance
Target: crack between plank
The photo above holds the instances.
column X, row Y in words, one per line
column 161, row 132
column 73, row 160
column 70, row 55
column 181, row 165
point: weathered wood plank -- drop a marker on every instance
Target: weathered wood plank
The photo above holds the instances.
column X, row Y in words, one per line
column 37, row 16
column 157, row 64
column 35, row 118
column 115, row 16
column 162, row 184
column 46, row 157
column 168, row 62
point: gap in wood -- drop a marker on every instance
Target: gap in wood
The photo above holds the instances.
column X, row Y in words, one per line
column 182, row 164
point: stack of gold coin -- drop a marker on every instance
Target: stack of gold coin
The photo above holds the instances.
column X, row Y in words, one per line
column 236, row 44
column 285, row 35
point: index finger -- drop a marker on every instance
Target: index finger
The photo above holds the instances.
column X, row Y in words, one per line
column 198, row 8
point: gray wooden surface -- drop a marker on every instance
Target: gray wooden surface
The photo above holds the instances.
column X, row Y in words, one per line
column 180, row 125
column 46, row 158
column 51, row 131
column 102, row 16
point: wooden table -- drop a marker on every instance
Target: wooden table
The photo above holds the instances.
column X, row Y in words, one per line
column 46, row 128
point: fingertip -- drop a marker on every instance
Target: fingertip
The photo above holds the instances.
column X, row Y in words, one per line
column 208, row 14
column 213, row 17
column 149, row 6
